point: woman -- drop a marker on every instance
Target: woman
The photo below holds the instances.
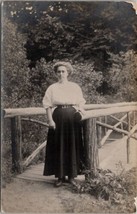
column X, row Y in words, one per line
column 64, row 103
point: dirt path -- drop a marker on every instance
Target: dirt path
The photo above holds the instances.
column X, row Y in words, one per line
column 23, row 196
column 38, row 197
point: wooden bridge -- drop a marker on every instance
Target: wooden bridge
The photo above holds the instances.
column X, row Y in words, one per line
column 96, row 132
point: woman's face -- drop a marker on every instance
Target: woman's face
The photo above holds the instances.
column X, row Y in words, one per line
column 62, row 73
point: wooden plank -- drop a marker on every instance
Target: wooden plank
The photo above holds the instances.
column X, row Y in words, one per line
column 109, row 161
column 113, row 154
column 37, row 175
column 37, row 178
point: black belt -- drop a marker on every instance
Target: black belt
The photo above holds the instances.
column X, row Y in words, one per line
column 64, row 106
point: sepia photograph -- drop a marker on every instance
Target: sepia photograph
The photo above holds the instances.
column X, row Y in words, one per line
column 68, row 106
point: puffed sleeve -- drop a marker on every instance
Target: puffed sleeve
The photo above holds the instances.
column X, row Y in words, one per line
column 81, row 100
column 47, row 99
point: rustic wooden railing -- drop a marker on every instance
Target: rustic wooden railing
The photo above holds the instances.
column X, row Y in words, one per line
column 92, row 132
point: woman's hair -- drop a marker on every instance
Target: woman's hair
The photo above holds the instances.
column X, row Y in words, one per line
column 66, row 64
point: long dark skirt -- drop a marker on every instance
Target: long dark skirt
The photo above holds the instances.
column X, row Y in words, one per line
column 65, row 149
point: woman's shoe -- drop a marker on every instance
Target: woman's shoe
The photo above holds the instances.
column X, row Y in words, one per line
column 58, row 183
column 64, row 180
column 72, row 181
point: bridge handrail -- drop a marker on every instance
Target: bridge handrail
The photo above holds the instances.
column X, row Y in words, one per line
column 108, row 111
column 92, row 110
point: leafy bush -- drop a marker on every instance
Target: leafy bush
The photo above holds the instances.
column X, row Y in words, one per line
column 109, row 186
column 84, row 74
column 6, row 160
column 103, row 184
column 114, row 193
column 15, row 84
column 33, row 135
column 122, row 76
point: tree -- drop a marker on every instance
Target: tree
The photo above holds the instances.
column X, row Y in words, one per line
column 122, row 77
column 83, row 31
column 75, row 30
column 41, row 76
column 15, row 69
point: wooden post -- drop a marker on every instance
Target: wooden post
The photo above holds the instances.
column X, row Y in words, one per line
column 122, row 129
column 16, row 139
column 128, row 139
column 91, row 147
column 99, row 133
column 86, row 137
column 106, row 123
column 104, row 130
column 134, row 118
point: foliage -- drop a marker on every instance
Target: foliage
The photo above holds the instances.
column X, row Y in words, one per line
column 107, row 185
column 83, row 31
column 89, row 80
column 51, row 31
column 6, row 167
column 76, row 30
column 120, row 79
column 40, row 78
column 33, row 135
column 6, row 157
column 84, row 74
column 122, row 76
column 14, row 66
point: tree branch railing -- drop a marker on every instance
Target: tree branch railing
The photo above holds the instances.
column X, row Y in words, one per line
column 119, row 120
column 116, row 129
column 103, row 140
column 35, row 121
column 90, row 122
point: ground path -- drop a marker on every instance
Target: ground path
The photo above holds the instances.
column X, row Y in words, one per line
column 36, row 194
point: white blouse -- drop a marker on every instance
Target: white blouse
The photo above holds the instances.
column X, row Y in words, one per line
column 68, row 93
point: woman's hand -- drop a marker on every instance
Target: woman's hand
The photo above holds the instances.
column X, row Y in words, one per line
column 52, row 124
column 50, row 119
column 80, row 113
